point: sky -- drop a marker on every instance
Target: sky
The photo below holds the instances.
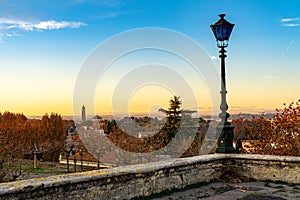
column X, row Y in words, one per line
column 45, row 44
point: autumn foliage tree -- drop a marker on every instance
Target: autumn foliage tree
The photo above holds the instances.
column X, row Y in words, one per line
column 20, row 136
column 278, row 136
column 12, row 135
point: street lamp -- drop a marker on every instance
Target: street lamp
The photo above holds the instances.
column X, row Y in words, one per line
column 222, row 30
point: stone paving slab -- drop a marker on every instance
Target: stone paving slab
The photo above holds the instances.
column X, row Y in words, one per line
column 243, row 191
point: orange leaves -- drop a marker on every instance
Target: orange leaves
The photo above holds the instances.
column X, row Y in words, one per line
column 134, row 144
column 11, row 133
column 278, row 136
column 18, row 135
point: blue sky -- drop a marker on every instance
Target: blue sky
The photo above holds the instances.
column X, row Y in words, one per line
column 44, row 43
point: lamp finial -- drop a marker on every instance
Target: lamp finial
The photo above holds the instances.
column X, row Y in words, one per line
column 222, row 16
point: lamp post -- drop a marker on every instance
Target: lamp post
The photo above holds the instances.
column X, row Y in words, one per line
column 222, row 30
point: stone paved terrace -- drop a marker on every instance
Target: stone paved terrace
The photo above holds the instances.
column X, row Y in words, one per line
column 142, row 180
column 253, row 190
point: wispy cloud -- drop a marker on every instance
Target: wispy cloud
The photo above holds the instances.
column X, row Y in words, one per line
column 290, row 22
column 115, row 14
column 11, row 27
column 291, row 25
column 108, row 3
column 213, row 57
column 290, row 19
column 110, row 15
column 112, row 3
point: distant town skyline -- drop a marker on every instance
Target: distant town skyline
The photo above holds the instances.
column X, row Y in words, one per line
column 43, row 45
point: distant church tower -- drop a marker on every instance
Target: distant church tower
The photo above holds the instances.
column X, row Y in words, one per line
column 83, row 115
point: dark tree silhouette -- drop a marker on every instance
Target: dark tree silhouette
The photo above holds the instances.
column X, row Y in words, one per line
column 173, row 113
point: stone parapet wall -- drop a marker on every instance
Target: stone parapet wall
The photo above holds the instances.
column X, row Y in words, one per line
column 266, row 167
column 119, row 183
column 145, row 179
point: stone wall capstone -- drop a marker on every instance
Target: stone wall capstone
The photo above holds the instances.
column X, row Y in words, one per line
column 131, row 181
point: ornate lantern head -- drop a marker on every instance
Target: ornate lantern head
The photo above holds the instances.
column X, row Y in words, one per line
column 222, row 30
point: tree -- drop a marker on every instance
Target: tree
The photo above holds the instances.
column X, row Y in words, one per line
column 12, row 135
column 286, row 130
column 277, row 136
column 12, row 144
column 173, row 113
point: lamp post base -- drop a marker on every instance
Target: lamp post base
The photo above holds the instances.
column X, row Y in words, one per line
column 225, row 141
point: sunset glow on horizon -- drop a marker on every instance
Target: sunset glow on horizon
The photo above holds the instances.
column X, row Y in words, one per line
column 44, row 46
